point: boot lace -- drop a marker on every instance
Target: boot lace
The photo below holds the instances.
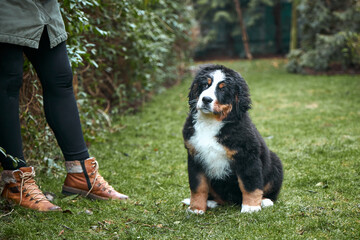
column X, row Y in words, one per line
column 29, row 185
column 99, row 180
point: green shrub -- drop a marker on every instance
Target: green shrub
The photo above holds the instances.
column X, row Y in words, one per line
column 329, row 36
column 121, row 52
column 147, row 46
column 352, row 50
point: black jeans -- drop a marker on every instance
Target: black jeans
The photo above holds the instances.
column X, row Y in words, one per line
column 54, row 71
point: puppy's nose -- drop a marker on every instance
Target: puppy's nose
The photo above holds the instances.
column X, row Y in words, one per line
column 207, row 100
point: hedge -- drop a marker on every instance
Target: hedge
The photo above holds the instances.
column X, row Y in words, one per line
column 122, row 52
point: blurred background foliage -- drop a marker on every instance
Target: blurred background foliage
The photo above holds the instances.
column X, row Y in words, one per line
column 122, row 52
column 329, row 36
column 267, row 25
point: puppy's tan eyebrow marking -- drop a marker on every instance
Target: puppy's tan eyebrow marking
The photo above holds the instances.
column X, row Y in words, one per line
column 209, row 81
column 221, row 85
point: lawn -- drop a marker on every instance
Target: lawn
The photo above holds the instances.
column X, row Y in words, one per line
column 311, row 122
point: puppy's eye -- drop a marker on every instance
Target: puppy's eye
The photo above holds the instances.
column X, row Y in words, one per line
column 221, row 85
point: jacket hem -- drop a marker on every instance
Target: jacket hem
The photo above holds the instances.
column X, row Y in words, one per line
column 26, row 42
column 11, row 39
column 59, row 39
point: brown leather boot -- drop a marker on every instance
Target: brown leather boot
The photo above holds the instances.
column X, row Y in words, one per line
column 20, row 187
column 83, row 178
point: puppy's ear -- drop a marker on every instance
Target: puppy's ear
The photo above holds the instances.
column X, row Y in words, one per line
column 193, row 93
column 194, row 89
column 193, row 96
column 242, row 98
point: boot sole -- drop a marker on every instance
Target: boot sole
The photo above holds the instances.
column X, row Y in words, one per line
column 72, row 191
column 13, row 203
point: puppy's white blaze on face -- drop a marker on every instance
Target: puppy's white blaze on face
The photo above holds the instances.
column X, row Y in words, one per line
column 217, row 77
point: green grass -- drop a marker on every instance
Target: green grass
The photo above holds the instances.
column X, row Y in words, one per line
column 311, row 122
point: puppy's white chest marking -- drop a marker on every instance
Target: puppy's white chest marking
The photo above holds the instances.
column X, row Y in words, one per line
column 209, row 152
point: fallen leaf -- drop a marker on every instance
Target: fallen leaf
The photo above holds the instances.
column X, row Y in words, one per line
column 61, row 232
column 88, row 212
column 312, row 106
column 69, row 198
column 108, row 222
column 275, row 64
column 301, row 232
column 67, row 211
column 319, row 184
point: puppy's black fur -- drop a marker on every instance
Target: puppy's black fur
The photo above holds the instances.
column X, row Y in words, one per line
column 252, row 164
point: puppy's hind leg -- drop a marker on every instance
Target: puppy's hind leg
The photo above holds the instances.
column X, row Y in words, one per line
column 251, row 200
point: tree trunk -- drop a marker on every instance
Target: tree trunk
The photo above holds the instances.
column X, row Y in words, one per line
column 293, row 37
column 243, row 30
column 278, row 33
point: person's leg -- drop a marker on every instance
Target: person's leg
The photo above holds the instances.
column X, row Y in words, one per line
column 55, row 74
column 11, row 75
column 54, row 71
column 16, row 177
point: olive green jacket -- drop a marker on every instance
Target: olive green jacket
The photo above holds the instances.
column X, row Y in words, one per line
column 22, row 22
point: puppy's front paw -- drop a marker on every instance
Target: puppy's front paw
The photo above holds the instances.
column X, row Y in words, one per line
column 186, row 201
column 249, row 209
column 266, row 202
column 211, row 204
column 195, row 211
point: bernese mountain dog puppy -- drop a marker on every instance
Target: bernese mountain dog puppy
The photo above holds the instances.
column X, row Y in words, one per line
column 228, row 160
